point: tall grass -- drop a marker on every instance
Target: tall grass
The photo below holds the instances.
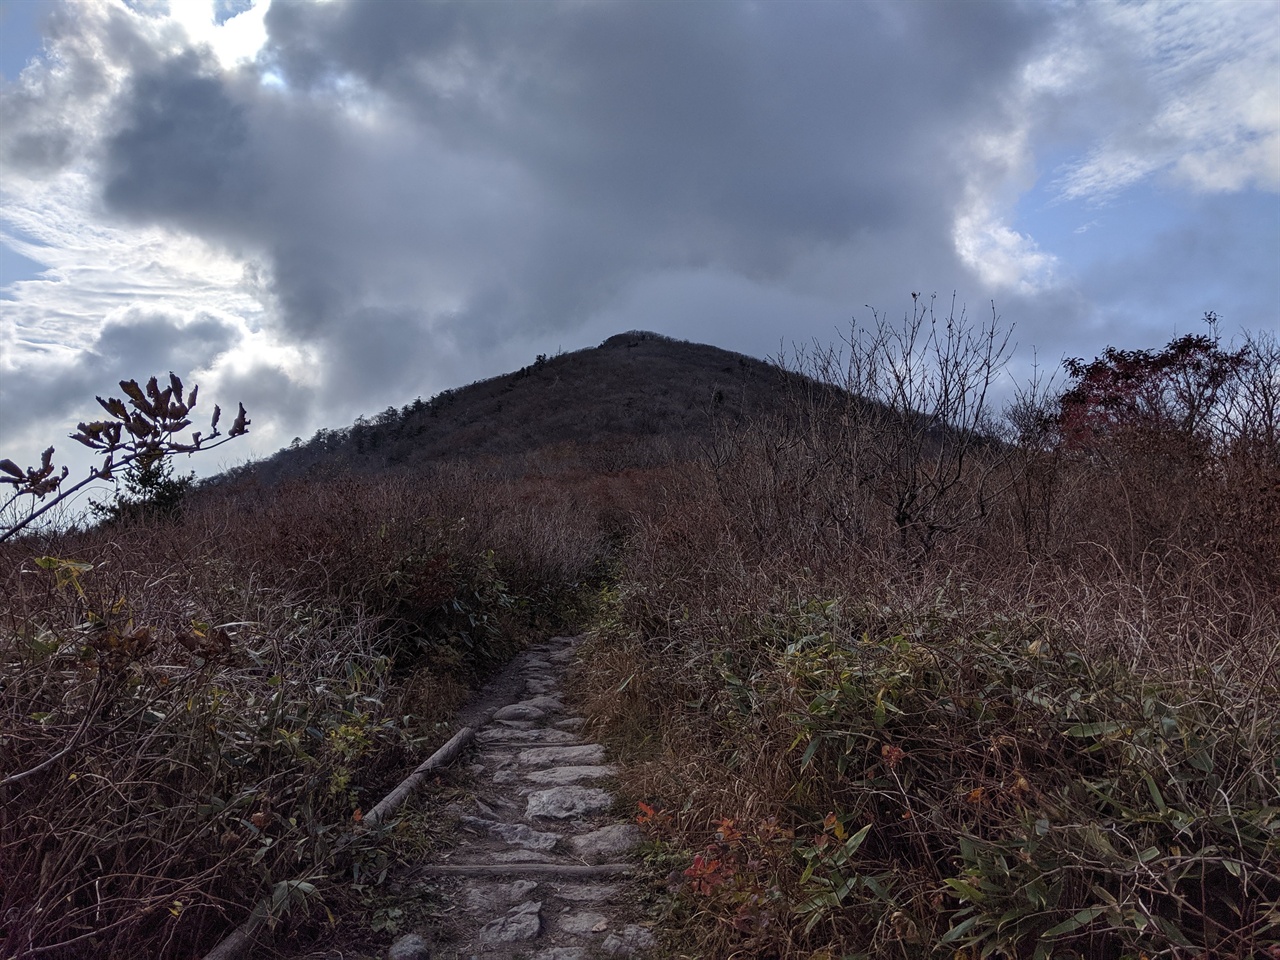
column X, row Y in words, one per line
column 195, row 712
column 895, row 678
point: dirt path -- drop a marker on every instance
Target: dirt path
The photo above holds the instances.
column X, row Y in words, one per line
column 540, row 869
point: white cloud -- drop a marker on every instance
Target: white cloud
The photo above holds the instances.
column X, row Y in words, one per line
column 1210, row 71
column 1005, row 260
column 1187, row 90
column 235, row 41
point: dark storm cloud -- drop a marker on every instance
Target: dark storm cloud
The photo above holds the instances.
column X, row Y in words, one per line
column 528, row 162
column 379, row 346
column 423, row 182
column 180, row 153
column 692, row 122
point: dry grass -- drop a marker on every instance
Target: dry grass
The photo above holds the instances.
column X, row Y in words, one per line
column 195, row 712
column 893, row 682
column 1051, row 733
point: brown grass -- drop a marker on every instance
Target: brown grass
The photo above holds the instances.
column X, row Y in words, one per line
column 195, row 711
column 1057, row 721
column 894, row 680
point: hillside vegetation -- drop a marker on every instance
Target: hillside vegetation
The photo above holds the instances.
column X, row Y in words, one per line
column 637, row 400
column 893, row 674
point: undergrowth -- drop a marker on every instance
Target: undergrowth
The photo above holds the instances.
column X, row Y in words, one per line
column 196, row 710
column 890, row 693
column 893, row 676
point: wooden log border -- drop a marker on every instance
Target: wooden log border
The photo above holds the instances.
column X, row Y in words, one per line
column 238, row 943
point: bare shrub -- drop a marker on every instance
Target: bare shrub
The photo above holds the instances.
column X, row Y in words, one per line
column 897, row 426
column 137, row 438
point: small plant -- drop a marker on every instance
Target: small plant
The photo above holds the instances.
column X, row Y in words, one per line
column 150, row 490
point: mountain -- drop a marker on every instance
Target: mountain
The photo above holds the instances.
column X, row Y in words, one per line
column 636, row 397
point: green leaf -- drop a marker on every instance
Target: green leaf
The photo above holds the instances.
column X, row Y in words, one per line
column 1170, row 930
column 1156, row 797
column 1094, row 729
column 876, row 887
column 853, row 843
column 959, row 930
column 967, row 891
column 1037, row 893
column 809, row 752
column 1081, row 919
column 1202, row 760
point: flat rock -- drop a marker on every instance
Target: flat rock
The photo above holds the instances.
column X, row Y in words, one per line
column 559, row 776
column 409, row 947
column 491, row 898
column 539, row 685
column 587, row 753
column 498, row 735
column 584, row 922
column 570, row 723
column 607, row 841
column 523, row 922
column 515, row 833
column 547, row 703
column 561, row 803
column 629, row 941
column 518, row 724
column 561, row 953
column 519, row 711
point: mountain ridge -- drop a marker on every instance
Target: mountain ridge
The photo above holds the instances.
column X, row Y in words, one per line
column 634, row 391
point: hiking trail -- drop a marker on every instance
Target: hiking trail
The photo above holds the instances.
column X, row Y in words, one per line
column 539, row 871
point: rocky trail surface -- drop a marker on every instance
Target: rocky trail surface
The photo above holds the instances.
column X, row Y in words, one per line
column 539, row 870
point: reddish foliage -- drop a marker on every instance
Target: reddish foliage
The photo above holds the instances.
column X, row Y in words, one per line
column 1174, row 389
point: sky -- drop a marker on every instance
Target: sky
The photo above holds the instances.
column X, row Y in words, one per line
column 325, row 208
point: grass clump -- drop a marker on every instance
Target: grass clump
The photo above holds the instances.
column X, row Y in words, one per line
column 947, row 777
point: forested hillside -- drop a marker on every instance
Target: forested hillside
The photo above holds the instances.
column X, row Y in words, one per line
column 637, row 399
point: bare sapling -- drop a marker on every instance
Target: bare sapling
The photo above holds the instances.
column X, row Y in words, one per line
column 914, row 432
column 143, row 432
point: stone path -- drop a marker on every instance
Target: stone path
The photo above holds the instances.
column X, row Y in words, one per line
column 539, row 871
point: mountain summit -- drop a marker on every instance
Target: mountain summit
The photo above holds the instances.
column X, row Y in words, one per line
column 633, row 391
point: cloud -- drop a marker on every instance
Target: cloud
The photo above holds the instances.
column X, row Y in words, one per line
column 1202, row 102
column 181, row 150
column 369, row 201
